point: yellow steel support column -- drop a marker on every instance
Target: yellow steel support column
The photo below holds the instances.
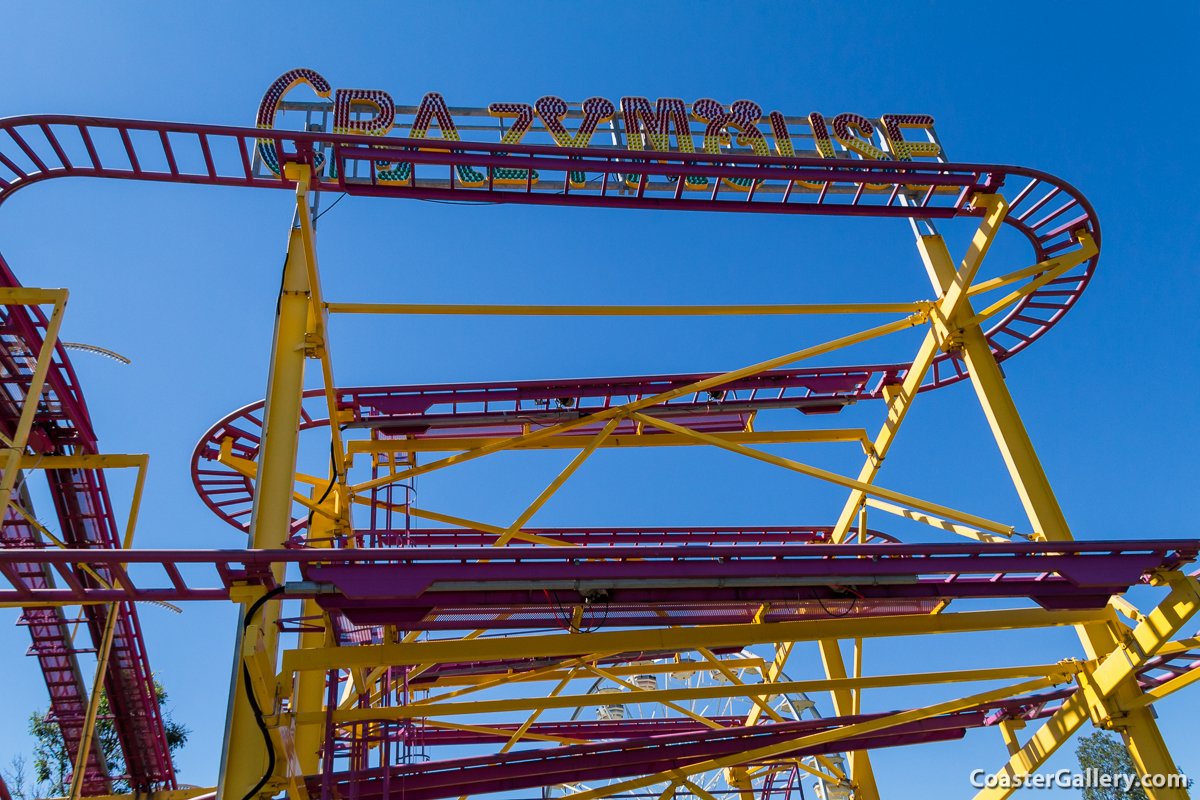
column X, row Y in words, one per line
column 1028, row 477
column 310, row 686
column 12, row 453
column 93, row 709
column 1110, row 697
column 1137, row 727
column 861, row 773
column 952, row 286
column 244, row 758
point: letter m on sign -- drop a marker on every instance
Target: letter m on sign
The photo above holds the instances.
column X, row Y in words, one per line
column 648, row 128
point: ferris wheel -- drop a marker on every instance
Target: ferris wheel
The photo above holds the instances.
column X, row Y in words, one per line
column 617, row 701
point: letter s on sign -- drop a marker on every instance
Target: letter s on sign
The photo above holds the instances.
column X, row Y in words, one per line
column 743, row 117
column 270, row 105
column 845, row 126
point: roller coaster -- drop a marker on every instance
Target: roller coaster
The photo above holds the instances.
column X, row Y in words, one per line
column 390, row 650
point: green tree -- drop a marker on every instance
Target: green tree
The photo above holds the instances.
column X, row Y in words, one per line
column 52, row 768
column 16, row 779
column 1107, row 755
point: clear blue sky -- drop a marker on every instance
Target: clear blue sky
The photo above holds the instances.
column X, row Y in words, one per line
column 183, row 280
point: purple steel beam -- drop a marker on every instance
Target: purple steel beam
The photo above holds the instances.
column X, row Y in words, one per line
column 406, row 575
column 636, row 536
column 501, row 666
column 625, row 758
column 461, row 776
column 598, row 730
column 709, row 585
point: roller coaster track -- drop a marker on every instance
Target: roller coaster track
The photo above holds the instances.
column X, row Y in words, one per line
column 1049, row 213
column 375, row 582
column 1058, row 575
column 62, row 426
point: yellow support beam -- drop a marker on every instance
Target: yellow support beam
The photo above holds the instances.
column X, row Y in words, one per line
column 617, row 669
column 845, row 732
column 12, row 454
column 557, row 483
column 831, row 477
column 732, row 677
column 952, row 287
column 103, row 461
column 575, row 442
column 244, row 754
column 424, row 513
column 657, row 697
column 444, row 309
column 1057, row 673
column 1073, row 258
column 862, row 775
column 846, row 685
column 316, row 341
column 89, row 723
column 1109, row 697
column 523, row 731
column 1055, row 268
column 679, row 639
column 499, row 733
column 663, row 397
column 935, row 522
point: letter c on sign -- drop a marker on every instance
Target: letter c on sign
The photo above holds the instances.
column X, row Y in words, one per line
column 270, row 105
column 975, row 774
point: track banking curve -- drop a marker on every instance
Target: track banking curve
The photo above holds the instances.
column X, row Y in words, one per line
column 1048, row 212
column 62, row 426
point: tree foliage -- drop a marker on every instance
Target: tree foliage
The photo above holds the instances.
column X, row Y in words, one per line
column 1107, row 755
column 51, row 766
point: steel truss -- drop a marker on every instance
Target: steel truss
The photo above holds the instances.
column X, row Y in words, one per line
column 341, row 713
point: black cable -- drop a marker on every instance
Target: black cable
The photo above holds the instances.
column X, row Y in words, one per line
column 460, row 202
column 331, row 205
column 328, row 488
column 853, row 603
column 258, row 715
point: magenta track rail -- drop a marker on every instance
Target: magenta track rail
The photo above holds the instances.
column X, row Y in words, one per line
column 449, row 411
column 1062, row 575
column 62, row 426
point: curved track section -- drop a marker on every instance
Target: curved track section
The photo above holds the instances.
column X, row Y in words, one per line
column 458, row 415
column 62, row 426
column 1046, row 210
